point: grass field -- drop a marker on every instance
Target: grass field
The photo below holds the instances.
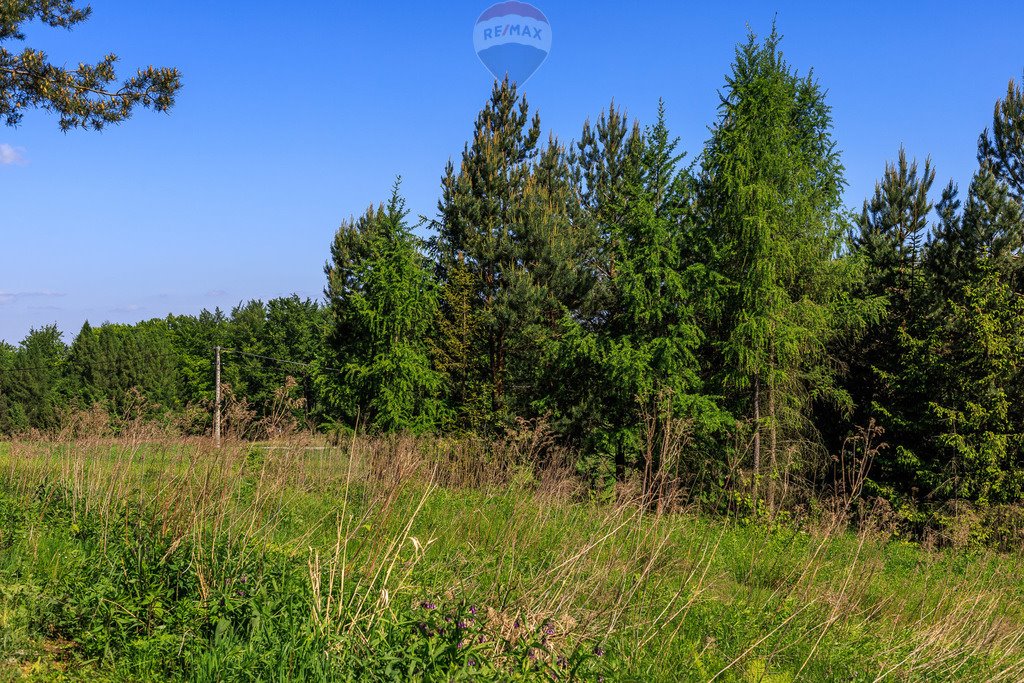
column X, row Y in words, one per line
column 397, row 559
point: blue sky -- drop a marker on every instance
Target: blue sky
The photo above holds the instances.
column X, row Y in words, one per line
column 295, row 116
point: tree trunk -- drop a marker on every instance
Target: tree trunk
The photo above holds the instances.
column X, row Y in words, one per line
column 772, row 449
column 757, row 431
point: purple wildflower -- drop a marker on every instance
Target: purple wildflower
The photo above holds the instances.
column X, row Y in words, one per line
column 472, row 610
column 563, row 662
column 598, row 651
column 428, row 605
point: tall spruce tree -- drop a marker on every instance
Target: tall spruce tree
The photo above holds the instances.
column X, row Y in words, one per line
column 772, row 192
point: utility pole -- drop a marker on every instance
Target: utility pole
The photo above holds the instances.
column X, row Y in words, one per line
column 216, row 403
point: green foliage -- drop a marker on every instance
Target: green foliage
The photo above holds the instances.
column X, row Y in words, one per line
column 641, row 358
column 1001, row 147
column 979, row 346
column 116, row 365
column 772, row 186
column 193, row 338
column 509, row 217
column 891, row 234
column 34, row 382
column 382, row 301
column 454, row 344
column 81, row 96
column 287, row 328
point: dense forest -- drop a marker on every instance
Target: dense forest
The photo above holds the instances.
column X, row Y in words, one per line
column 628, row 296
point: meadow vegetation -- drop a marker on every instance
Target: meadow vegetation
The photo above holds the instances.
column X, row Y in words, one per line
column 418, row 558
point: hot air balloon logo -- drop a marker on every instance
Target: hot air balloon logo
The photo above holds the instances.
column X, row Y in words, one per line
column 512, row 39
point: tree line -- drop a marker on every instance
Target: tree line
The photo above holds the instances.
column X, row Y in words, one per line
column 621, row 293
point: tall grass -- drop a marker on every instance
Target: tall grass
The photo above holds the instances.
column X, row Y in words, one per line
column 401, row 558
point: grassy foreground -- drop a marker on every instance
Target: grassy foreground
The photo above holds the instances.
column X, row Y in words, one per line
column 402, row 560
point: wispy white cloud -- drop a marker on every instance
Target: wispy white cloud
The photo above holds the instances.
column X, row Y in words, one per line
column 10, row 297
column 11, row 155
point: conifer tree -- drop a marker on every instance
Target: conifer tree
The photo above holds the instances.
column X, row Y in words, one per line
column 973, row 359
column 83, row 97
column 638, row 356
column 116, row 364
column 891, row 233
column 1001, row 147
column 948, row 254
column 885, row 382
column 11, row 417
column 772, row 197
column 37, row 387
column 382, row 303
column 604, row 154
column 483, row 222
column 990, row 230
column 454, row 343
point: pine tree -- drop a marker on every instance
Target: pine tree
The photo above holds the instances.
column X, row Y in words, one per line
column 891, row 233
column 1001, row 147
column 86, row 96
column 886, row 381
column 604, row 153
column 484, row 220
